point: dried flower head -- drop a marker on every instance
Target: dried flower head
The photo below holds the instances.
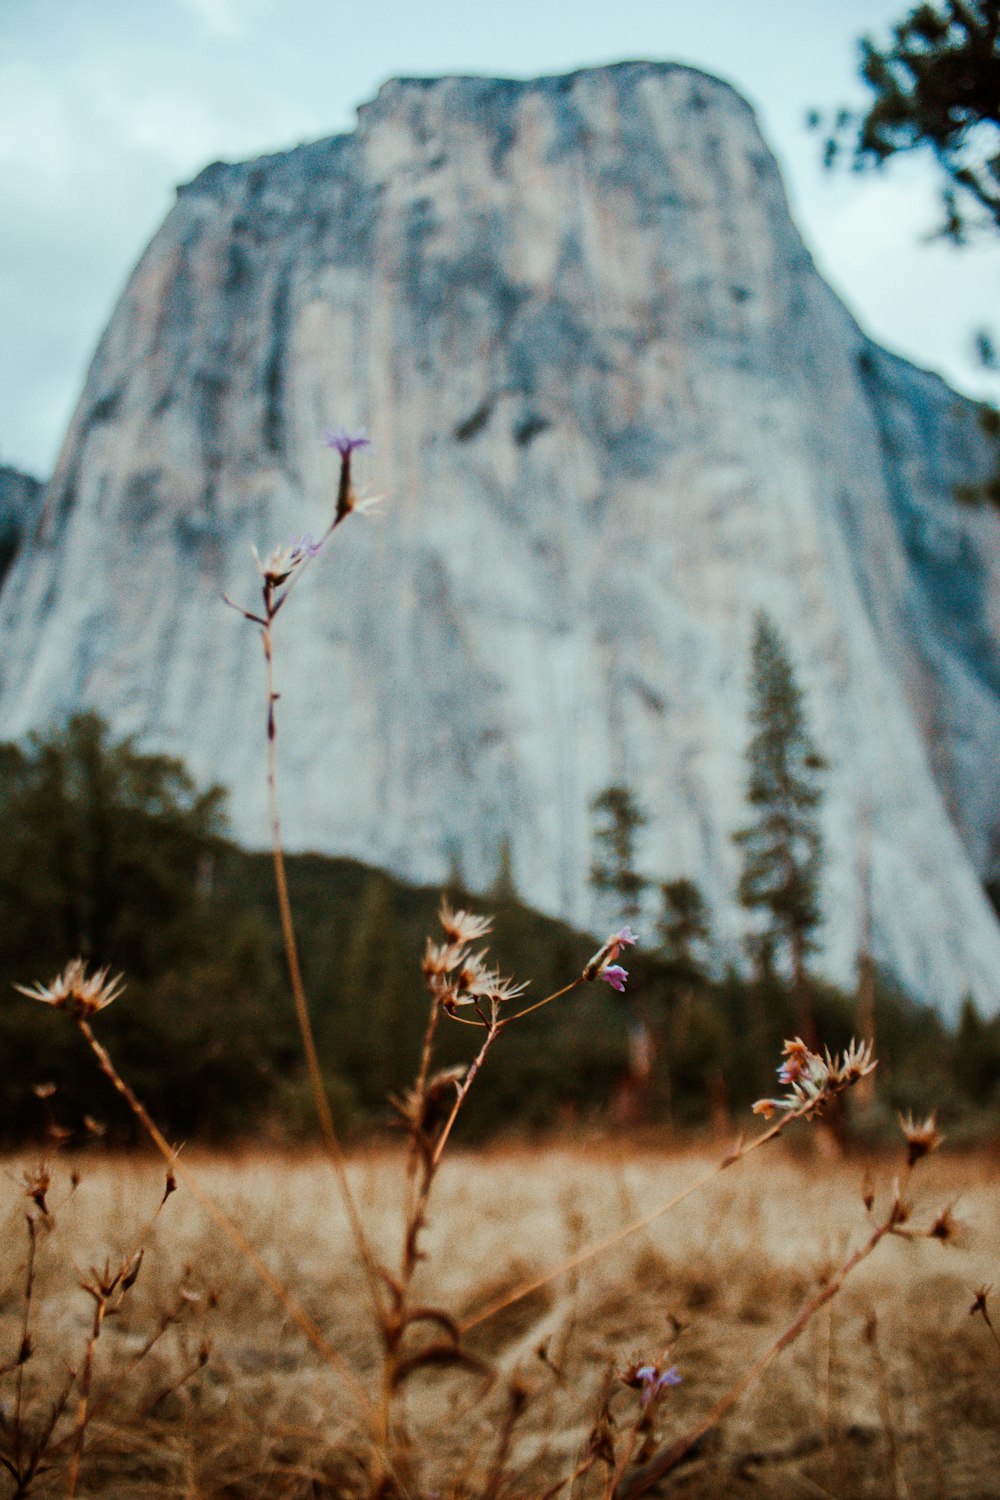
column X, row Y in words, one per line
column 813, row 1080
column 72, row 990
column 284, row 560
column 475, row 981
column 440, row 958
column 979, row 1306
column 457, row 977
column 948, row 1229
column 462, row 927
column 37, row 1182
column 922, row 1137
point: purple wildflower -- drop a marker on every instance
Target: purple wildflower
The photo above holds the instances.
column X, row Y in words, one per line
column 650, row 1380
column 626, row 935
column 346, row 442
column 614, row 975
column 304, row 546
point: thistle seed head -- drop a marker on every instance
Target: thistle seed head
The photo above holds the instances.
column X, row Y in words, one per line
column 72, row 990
column 922, row 1137
column 461, row 927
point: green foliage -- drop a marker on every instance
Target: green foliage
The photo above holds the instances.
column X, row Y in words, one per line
column 935, row 87
column 117, row 852
column 683, row 930
column 108, row 854
column 618, row 821
column 781, row 848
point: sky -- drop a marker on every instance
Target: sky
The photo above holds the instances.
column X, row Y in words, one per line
column 106, row 105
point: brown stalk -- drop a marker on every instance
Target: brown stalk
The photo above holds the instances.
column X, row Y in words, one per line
column 517, row 1401
column 232, row 1231
column 322, row 1104
column 22, row 1359
column 608, row 1242
column 108, row 1395
column 86, row 1378
column 884, row 1406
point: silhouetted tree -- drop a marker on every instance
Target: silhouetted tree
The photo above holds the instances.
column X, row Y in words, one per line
column 618, row 820
column 684, row 931
column 936, row 88
column 782, row 847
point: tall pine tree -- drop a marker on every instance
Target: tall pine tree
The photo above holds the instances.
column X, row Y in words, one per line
column 618, row 820
column 782, row 847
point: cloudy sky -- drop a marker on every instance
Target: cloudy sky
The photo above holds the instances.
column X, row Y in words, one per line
column 105, row 105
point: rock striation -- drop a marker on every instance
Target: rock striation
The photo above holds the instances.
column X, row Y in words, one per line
column 616, row 411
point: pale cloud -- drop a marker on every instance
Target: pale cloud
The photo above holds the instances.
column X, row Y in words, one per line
column 227, row 20
column 105, row 105
column 875, row 243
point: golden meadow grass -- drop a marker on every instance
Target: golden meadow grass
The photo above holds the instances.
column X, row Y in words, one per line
column 572, row 1322
column 717, row 1282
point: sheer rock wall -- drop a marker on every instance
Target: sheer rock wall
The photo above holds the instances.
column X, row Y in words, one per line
column 616, row 411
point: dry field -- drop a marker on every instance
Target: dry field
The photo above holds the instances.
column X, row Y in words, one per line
column 893, row 1389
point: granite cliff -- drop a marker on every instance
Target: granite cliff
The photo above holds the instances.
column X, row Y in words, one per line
column 616, row 411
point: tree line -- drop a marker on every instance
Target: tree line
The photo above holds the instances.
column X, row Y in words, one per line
column 114, row 854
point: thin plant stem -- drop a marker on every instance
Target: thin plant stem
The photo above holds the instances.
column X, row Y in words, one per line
column 668, row 1457
column 885, row 1408
column 86, row 1378
column 462, row 1091
column 233, row 1233
column 609, row 1241
column 29, row 1288
column 539, row 1003
column 320, row 1100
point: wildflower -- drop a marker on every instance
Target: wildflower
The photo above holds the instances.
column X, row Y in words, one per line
column 475, row 981
column 614, row 975
column 461, row 926
column 36, row 1185
column 650, row 1379
column 440, row 958
column 922, row 1137
column 796, row 1054
column 304, row 547
column 606, row 954
column 346, row 442
column 813, row 1080
column 72, row 990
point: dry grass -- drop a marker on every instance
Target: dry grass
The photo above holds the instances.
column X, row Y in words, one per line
column 911, row 1407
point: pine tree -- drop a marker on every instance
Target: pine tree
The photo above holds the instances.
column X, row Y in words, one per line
column 619, row 819
column 936, row 88
column 782, row 847
column 684, row 931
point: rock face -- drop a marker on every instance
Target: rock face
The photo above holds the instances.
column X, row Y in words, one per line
column 616, row 412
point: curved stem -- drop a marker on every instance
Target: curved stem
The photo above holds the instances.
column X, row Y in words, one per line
column 539, row 1003
column 231, row 1230
column 609, row 1241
